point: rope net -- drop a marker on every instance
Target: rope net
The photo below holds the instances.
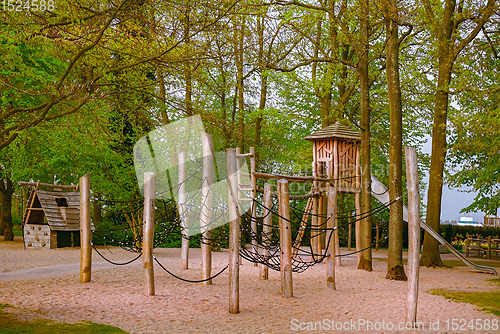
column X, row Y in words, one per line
column 202, row 218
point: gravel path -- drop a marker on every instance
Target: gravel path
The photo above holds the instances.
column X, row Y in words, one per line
column 44, row 283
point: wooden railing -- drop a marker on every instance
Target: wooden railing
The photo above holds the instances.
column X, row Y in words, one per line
column 491, row 221
column 493, row 246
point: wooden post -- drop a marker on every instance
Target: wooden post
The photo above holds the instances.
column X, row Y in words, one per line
column 467, row 245
column 303, row 226
column 206, row 209
column 321, row 221
column 338, row 259
column 349, row 242
column 330, row 261
column 413, row 233
column 285, row 240
column 182, row 211
column 377, row 235
column 148, row 233
column 85, row 230
column 234, row 233
column 314, row 224
column 315, row 235
column 489, row 247
column 253, row 210
column 238, row 193
column 266, row 229
column 357, row 201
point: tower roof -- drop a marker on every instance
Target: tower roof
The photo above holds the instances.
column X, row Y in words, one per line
column 336, row 130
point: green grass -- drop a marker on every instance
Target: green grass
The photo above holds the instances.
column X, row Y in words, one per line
column 487, row 301
column 10, row 324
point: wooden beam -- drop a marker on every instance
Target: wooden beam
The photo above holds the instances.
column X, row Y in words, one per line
column 357, row 201
column 267, row 228
column 413, row 233
column 182, row 211
column 303, row 225
column 330, row 261
column 285, row 240
column 253, row 208
column 206, row 209
column 234, row 233
column 306, row 179
column 246, row 155
column 47, row 185
column 148, row 233
column 85, row 230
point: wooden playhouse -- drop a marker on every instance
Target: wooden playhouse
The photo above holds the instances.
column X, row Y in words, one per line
column 52, row 217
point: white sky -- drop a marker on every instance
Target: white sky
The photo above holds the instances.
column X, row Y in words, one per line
column 453, row 200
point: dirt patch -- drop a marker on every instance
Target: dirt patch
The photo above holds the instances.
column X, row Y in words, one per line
column 45, row 282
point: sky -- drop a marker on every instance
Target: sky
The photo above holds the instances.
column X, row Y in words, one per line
column 453, row 200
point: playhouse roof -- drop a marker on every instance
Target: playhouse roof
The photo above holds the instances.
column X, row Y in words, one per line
column 49, row 203
column 336, row 130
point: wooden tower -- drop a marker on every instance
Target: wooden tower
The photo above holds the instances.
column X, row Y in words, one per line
column 336, row 156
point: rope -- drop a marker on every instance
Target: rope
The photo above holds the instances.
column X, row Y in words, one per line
column 115, row 263
column 187, row 280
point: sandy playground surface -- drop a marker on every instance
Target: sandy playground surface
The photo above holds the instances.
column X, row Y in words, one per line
column 44, row 284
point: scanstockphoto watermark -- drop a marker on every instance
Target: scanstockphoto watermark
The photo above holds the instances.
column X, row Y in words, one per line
column 355, row 325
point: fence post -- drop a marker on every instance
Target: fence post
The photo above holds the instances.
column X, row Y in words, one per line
column 206, row 210
column 489, row 247
column 330, row 237
column 413, row 233
column 357, row 201
column 285, row 240
column 266, row 229
column 349, row 241
column 253, row 210
column 234, row 233
column 148, row 233
column 85, row 230
column 467, row 245
column 182, row 211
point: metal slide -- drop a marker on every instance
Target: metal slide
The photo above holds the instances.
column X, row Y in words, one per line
column 381, row 193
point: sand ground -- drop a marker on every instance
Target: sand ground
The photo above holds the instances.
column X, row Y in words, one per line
column 45, row 284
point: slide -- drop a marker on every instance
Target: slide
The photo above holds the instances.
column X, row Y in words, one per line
column 381, row 193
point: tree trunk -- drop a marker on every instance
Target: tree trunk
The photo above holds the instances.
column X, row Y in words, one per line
column 96, row 212
column 430, row 252
column 7, row 189
column 239, row 34
column 187, row 66
column 395, row 269
column 263, row 88
column 365, row 261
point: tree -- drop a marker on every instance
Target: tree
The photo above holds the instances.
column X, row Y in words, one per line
column 80, row 35
column 453, row 29
column 395, row 269
column 475, row 130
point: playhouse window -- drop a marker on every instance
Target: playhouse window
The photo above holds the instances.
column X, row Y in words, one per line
column 61, row 202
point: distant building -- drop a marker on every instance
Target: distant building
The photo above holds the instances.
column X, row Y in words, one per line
column 468, row 221
column 448, row 222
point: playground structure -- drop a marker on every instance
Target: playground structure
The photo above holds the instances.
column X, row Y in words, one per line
column 334, row 157
column 51, row 218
